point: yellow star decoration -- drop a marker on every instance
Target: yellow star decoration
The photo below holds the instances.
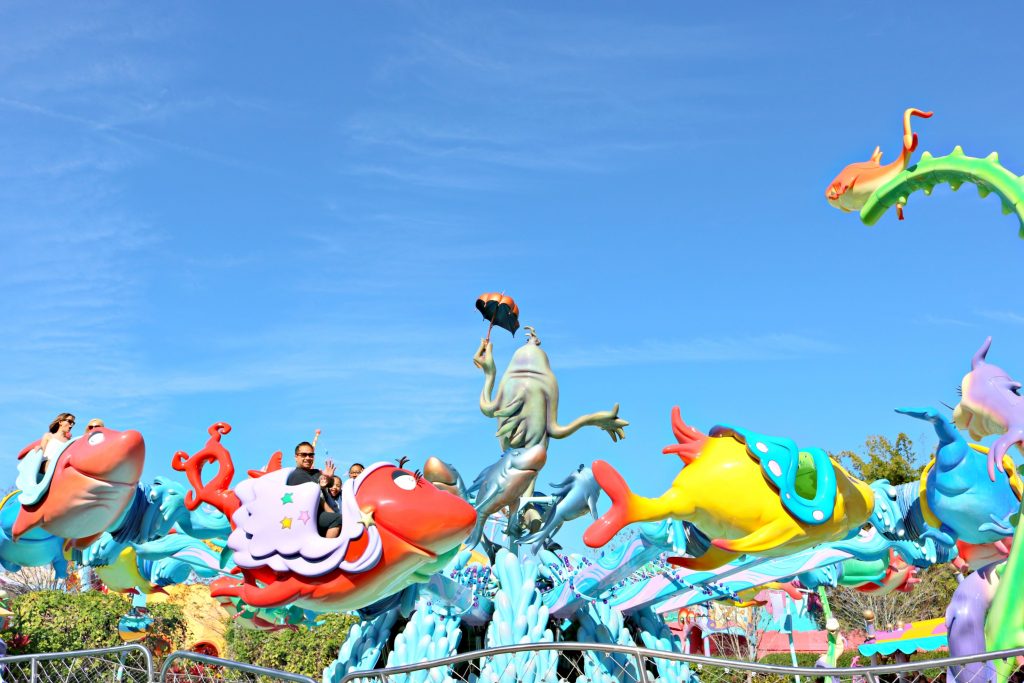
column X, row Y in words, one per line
column 366, row 518
column 286, row 523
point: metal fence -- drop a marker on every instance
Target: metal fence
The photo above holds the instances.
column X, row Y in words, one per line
column 530, row 663
column 191, row 667
column 597, row 663
column 125, row 664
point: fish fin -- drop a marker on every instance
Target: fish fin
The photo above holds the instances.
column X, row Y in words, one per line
column 28, row 449
column 273, row 465
column 690, row 441
column 513, row 406
column 622, row 511
column 712, row 559
column 84, row 542
column 766, row 538
column 749, row 603
column 476, row 535
column 876, row 156
column 507, row 426
column 996, row 453
column 25, row 522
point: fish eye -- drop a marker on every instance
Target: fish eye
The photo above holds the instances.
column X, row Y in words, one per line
column 96, row 438
column 403, row 480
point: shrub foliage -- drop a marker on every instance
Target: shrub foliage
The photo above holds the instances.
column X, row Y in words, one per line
column 55, row 621
column 303, row 651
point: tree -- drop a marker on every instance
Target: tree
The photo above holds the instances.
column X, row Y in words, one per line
column 884, row 459
column 31, row 579
column 928, row 600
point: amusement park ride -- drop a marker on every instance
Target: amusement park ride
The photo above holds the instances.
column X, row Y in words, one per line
column 433, row 565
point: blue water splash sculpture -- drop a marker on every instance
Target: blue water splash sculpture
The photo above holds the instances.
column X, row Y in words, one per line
column 519, row 617
column 600, row 623
column 656, row 635
column 362, row 647
column 432, row 633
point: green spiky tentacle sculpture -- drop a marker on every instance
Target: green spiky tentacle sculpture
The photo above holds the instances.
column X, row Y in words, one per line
column 1004, row 622
column 954, row 170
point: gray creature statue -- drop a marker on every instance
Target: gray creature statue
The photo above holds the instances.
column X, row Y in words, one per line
column 445, row 477
column 575, row 496
column 527, row 402
column 502, row 484
column 526, row 407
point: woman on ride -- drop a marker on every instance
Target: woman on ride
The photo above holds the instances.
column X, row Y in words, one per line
column 59, row 434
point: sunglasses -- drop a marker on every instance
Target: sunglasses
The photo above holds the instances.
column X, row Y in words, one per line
column 71, row 423
column 306, row 455
column 91, row 427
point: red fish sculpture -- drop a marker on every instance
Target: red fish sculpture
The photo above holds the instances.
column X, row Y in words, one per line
column 855, row 183
column 397, row 529
column 85, row 490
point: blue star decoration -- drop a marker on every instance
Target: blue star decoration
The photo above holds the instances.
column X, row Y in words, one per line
column 286, row 498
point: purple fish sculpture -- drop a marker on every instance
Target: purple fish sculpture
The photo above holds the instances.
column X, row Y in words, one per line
column 991, row 403
column 965, row 624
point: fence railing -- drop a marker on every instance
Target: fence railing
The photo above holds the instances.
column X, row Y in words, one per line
column 528, row 663
column 600, row 663
column 192, row 667
column 124, row 664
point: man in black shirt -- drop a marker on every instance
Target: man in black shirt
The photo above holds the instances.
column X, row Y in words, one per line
column 328, row 521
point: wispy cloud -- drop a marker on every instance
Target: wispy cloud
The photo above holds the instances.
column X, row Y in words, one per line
column 1011, row 317
column 120, row 133
column 943, row 321
column 553, row 101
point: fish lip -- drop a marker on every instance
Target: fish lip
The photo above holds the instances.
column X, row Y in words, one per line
column 429, row 553
column 527, row 371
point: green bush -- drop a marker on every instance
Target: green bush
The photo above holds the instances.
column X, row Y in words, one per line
column 807, row 658
column 305, row 651
column 55, row 621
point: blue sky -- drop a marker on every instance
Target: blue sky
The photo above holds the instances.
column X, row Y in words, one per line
column 280, row 218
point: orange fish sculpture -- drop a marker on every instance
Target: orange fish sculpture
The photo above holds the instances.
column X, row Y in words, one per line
column 84, row 490
column 855, row 183
column 397, row 529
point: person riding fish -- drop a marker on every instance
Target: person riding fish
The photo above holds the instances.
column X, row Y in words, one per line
column 56, row 438
column 397, row 530
column 328, row 518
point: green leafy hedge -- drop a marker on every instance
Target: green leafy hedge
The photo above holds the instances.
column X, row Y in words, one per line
column 304, row 651
column 807, row 658
column 55, row 621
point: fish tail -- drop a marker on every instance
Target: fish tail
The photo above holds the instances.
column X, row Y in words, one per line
column 478, row 531
column 624, row 510
column 909, row 137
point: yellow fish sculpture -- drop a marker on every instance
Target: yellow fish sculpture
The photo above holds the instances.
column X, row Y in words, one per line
column 747, row 492
column 123, row 575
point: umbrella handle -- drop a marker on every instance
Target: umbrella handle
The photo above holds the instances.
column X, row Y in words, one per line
column 493, row 316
